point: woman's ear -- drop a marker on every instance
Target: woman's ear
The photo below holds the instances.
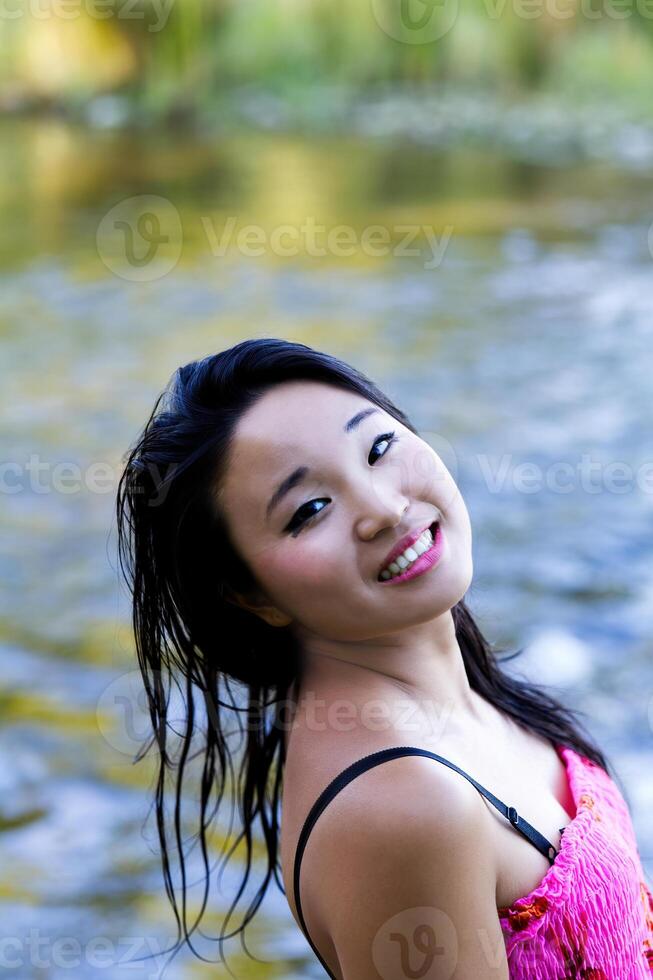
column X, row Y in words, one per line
column 258, row 604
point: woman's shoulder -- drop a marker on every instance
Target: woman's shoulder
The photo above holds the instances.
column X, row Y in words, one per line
column 365, row 768
column 400, row 835
column 385, row 796
column 395, row 789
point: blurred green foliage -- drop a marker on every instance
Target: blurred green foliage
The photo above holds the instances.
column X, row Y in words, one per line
column 182, row 54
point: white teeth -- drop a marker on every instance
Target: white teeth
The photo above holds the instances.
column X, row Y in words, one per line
column 407, row 557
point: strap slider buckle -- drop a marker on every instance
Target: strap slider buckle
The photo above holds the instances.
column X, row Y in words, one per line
column 513, row 816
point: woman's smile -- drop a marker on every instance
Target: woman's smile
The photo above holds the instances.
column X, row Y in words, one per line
column 418, row 559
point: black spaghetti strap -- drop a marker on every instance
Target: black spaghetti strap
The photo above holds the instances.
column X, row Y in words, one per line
column 375, row 759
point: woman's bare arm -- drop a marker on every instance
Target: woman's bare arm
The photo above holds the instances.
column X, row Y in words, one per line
column 407, row 882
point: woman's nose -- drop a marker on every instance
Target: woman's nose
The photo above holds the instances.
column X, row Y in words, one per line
column 380, row 515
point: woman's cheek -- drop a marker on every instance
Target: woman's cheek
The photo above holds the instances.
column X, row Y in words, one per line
column 416, row 469
column 309, row 570
column 435, row 481
column 293, row 571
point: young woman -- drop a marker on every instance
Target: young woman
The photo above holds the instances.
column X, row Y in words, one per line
column 283, row 525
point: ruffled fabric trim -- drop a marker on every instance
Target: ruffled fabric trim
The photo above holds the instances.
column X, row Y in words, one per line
column 526, row 916
column 591, row 916
column 647, row 901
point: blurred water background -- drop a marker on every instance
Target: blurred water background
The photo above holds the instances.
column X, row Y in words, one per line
column 514, row 327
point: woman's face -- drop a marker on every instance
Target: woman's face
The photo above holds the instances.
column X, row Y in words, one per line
column 316, row 549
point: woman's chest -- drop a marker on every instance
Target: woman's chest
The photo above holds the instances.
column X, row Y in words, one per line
column 526, row 772
column 518, row 767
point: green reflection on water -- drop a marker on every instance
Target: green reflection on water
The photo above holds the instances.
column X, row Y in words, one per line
column 18, row 707
column 58, row 180
column 85, row 380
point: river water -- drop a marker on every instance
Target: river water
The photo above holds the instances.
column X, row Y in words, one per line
column 509, row 312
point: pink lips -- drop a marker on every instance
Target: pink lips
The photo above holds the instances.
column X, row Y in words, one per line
column 423, row 563
column 402, row 544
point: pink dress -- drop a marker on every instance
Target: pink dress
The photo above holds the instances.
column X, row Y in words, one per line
column 591, row 916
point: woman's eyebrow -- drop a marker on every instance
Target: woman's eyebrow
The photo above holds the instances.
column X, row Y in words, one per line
column 356, row 420
column 299, row 475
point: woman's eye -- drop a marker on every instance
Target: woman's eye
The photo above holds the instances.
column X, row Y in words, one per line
column 302, row 517
column 388, row 437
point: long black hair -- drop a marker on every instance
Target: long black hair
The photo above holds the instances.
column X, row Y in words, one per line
column 179, row 563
